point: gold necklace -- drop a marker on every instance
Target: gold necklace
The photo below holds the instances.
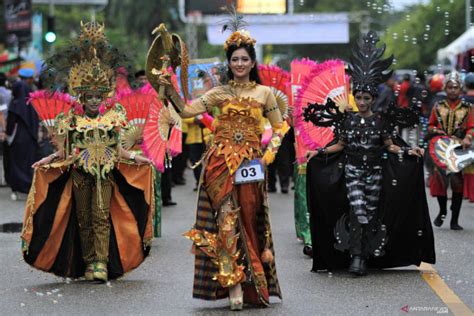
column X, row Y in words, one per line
column 250, row 84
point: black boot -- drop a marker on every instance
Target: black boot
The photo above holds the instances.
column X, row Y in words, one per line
column 308, row 250
column 456, row 203
column 443, row 202
column 358, row 266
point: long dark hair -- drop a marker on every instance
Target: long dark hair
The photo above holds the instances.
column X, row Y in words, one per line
column 253, row 56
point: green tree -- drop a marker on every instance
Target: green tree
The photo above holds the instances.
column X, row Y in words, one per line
column 128, row 24
column 131, row 23
column 415, row 39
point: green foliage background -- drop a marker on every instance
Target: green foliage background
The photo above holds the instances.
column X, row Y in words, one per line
column 423, row 54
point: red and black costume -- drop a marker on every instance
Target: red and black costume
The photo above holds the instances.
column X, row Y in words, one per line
column 455, row 119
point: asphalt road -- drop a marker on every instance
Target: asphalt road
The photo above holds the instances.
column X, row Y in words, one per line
column 162, row 285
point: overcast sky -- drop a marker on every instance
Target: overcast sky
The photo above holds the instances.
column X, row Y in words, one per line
column 399, row 4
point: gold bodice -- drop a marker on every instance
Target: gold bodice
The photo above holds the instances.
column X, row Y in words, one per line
column 93, row 143
column 238, row 130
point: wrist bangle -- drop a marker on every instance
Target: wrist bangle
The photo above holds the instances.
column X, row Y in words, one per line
column 132, row 155
column 53, row 156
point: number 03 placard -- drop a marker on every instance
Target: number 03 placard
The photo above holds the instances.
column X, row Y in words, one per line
column 251, row 171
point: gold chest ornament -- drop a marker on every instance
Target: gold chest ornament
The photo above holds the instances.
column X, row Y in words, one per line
column 95, row 141
column 237, row 135
column 451, row 119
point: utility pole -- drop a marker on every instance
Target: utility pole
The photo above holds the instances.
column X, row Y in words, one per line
column 191, row 30
column 468, row 14
column 51, row 15
column 291, row 6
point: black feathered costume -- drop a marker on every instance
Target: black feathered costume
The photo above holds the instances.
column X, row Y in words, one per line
column 365, row 199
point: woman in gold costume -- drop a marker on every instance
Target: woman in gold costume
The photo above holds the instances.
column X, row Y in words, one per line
column 90, row 207
column 232, row 238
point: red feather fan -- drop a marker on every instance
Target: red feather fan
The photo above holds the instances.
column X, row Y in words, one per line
column 48, row 105
column 273, row 76
column 137, row 105
column 162, row 132
column 277, row 79
column 299, row 70
column 326, row 80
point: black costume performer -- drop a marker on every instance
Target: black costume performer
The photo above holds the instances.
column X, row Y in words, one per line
column 366, row 199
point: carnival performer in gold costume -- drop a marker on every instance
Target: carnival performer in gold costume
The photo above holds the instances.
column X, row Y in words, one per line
column 232, row 235
column 90, row 207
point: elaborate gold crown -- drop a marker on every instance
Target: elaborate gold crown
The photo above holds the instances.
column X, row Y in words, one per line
column 90, row 75
column 92, row 33
column 239, row 38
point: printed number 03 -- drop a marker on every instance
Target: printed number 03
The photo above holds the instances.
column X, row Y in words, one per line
column 250, row 171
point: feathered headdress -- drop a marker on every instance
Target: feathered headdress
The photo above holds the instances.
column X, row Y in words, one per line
column 367, row 67
column 88, row 64
column 237, row 25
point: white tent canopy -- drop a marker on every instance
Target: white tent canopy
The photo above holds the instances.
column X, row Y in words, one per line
column 462, row 44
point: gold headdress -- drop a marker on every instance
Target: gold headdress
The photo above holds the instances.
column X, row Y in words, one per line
column 88, row 64
column 90, row 75
column 240, row 36
column 92, row 33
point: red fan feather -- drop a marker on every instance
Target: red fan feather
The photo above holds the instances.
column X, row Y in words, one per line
column 277, row 79
column 174, row 144
column 299, row 70
column 162, row 133
column 137, row 105
column 175, row 141
column 48, row 105
column 273, row 76
column 326, row 80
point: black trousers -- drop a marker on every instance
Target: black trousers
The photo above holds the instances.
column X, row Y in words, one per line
column 195, row 154
column 166, row 185
column 6, row 160
column 283, row 164
column 180, row 162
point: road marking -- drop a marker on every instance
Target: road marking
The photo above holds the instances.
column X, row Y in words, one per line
column 454, row 303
